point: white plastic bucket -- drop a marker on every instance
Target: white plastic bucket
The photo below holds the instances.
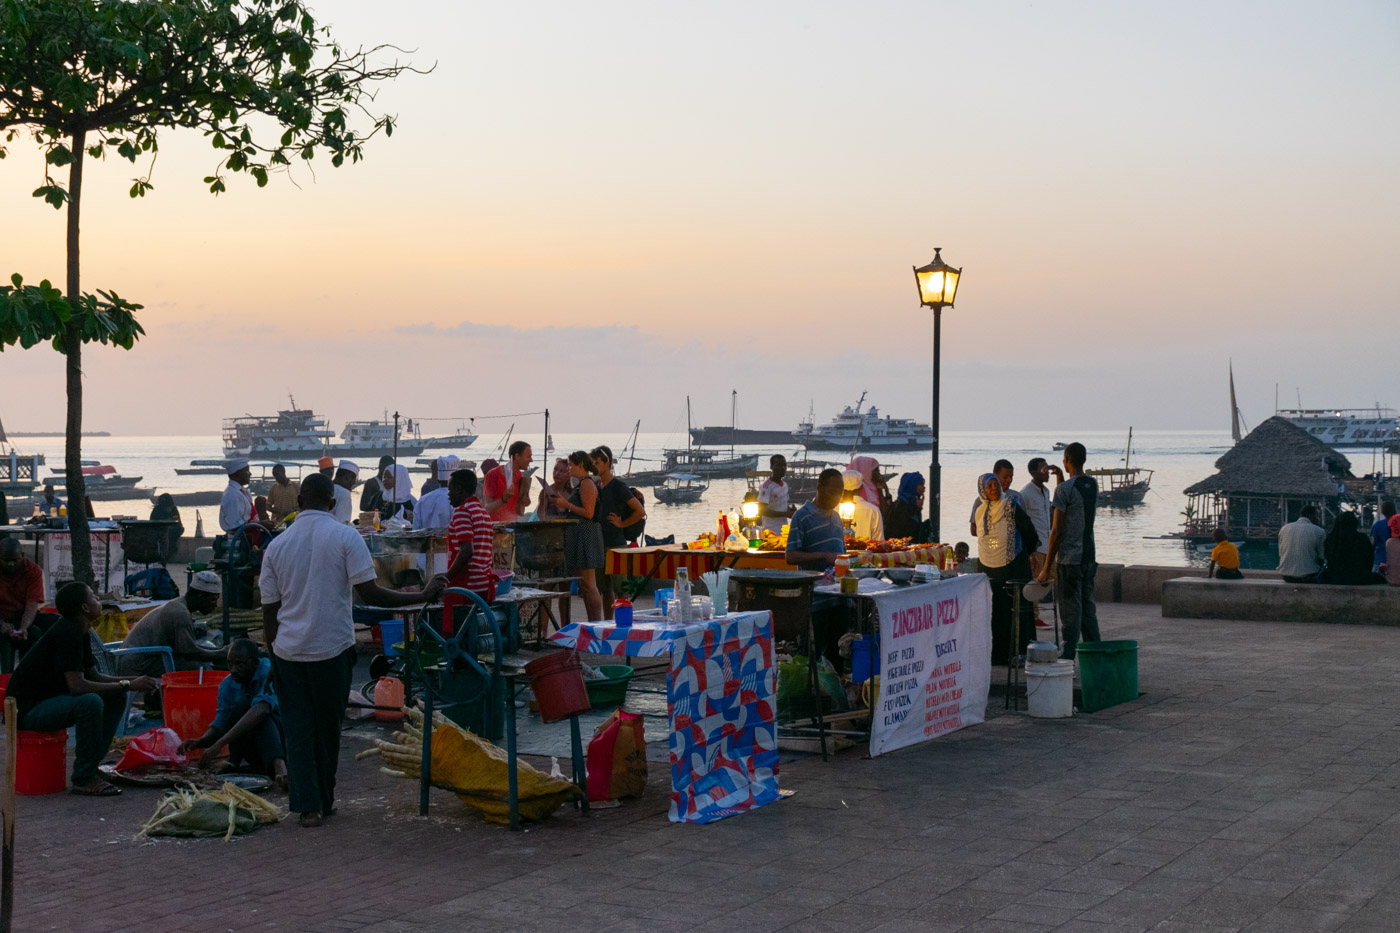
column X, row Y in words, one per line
column 1050, row 690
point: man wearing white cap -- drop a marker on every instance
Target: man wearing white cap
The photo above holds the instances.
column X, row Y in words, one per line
column 172, row 626
column 435, row 510
column 869, row 523
column 345, row 476
column 236, row 508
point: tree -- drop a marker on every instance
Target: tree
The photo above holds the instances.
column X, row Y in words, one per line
column 87, row 78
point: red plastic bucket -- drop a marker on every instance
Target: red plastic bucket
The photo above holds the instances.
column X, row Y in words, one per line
column 190, row 700
column 557, row 680
column 41, row 760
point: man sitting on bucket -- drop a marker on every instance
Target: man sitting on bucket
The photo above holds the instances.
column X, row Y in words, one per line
column 56, row 685
column 247, row 722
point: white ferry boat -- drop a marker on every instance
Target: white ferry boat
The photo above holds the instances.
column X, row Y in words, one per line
column 298, row 434
column 1346, row 427
column 854, row 429
column 379, row 436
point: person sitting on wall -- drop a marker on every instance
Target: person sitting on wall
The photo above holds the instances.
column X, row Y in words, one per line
column 1224, row 559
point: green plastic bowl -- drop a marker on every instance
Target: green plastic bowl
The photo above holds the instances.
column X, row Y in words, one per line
column 612, row 689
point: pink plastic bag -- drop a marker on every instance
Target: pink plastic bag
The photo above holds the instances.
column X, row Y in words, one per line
column 153, row 750
column 617, row 758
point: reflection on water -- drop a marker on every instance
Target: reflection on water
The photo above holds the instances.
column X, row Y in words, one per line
column 1125, row 535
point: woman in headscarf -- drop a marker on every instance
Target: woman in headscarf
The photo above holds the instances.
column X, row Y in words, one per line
column 905, row 518
column 372, row 492
column 1005, row 539
column 165, row 510
column 1349, row 554
column 872, row 485
column 398, row 492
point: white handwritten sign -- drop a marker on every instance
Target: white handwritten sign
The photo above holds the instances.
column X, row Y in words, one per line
column 936, row 662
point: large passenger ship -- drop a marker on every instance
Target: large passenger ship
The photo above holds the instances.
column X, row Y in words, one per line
column 1346, row 427
column 854, row 429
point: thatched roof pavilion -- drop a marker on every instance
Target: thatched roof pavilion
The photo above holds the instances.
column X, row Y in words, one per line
column 1265, row 479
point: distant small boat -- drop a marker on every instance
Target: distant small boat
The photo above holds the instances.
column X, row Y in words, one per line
column 1060, row 445
column 202, row 468
column 681, row 489
column 1123, row 486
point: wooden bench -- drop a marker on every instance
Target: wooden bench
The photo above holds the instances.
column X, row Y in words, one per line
column 1277, row 601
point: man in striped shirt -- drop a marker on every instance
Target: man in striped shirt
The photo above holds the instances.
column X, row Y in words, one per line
column 469, row 543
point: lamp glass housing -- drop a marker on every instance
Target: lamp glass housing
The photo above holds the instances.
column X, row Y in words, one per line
column 847, row 510
column 938, row 282
column 749, row 510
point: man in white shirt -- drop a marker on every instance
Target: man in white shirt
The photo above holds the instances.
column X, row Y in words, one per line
column 1301, row 547
column 773, row 509
column 1035, row 499
column 435, row 511
column 869, row 523
column 345, row 476
column 236, row 507
column 308, row 575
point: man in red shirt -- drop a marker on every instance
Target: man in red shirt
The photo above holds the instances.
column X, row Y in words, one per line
column 504, row 499
column 469, row 543
column 21, row 592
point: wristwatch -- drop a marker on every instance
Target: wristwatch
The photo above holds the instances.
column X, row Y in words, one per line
column 126, row 685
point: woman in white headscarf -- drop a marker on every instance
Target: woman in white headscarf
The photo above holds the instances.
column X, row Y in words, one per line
column 398, row 492
column 1006, row 537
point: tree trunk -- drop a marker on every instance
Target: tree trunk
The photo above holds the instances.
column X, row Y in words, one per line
column 73, row 352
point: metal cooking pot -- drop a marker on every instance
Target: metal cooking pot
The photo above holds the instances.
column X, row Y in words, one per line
column 1042, row 652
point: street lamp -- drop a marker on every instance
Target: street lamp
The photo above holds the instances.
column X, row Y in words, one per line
column 938, row 286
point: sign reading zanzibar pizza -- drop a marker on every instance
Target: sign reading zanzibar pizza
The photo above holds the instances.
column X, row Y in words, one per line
column 936, row 663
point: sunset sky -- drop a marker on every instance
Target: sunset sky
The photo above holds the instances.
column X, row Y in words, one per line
column 601, row 208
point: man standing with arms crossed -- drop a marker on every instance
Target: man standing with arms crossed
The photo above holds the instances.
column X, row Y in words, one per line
column 1072, row 553
column 307, row 577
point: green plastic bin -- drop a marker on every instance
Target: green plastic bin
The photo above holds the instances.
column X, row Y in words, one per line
column 1107, row 674
column 612, row 689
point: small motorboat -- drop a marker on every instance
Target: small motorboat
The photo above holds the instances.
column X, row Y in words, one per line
column 680, row 489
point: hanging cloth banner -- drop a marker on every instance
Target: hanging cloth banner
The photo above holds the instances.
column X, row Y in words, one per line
column 935, row 661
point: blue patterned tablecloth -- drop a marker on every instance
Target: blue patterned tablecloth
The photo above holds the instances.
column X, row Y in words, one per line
column 722, row 701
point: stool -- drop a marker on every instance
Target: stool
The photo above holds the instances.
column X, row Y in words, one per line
column 41, row 760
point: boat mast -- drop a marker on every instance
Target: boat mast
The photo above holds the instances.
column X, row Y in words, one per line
column 1234, row 407
column 733, row 418
column 1127, row 454
column 636, row 429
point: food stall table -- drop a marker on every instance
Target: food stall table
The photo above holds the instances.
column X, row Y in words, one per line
column 662, row 561
column 721, row 698
column 933, row 659
column 53, row 552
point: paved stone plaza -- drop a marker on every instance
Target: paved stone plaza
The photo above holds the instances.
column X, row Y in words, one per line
column 1253, row 787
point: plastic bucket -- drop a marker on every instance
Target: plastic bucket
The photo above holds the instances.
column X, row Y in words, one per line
column 391, row 634
column 40, row 763
column 557, row 680
column 860, row 658
column 190, row 699
column 1050, row 689
column 1108, row 673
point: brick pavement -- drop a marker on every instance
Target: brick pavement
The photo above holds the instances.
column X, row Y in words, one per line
column 1254, row 787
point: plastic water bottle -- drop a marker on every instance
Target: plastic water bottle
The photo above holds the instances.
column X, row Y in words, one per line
column 683, row 594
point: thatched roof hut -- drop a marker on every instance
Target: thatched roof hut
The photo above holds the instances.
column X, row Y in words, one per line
column 1277, row 459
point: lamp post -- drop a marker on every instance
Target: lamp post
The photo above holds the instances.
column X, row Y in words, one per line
column 938, row 286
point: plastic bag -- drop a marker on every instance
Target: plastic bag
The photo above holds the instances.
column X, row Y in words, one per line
column 111, row 625
column 617, row 758
column 153, row 750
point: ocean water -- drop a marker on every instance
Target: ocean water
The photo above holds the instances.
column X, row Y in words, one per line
column 1178, row 459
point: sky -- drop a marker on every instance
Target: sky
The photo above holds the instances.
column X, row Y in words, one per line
column 603, row 208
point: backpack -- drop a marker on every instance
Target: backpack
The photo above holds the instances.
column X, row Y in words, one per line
column 152, row 583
